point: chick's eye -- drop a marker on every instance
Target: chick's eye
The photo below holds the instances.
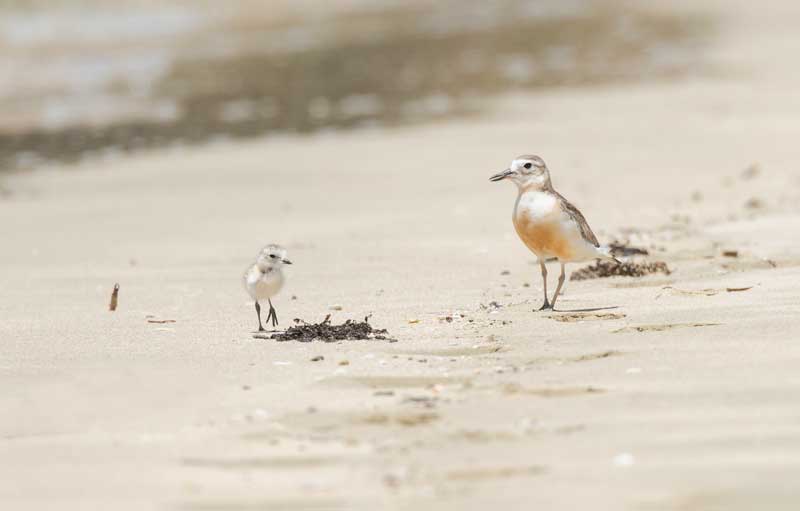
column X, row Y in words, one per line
column 527, row 165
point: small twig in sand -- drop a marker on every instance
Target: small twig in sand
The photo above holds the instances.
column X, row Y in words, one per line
column 112, row 305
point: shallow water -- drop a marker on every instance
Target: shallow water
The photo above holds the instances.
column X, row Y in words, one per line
column 136, row 77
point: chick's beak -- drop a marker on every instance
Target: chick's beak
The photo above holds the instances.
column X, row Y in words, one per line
column 286, row 261
column 502, row 175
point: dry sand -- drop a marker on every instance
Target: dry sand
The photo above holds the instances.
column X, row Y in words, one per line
column 683, row 396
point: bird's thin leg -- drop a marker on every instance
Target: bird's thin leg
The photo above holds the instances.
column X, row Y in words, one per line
column 546, row 304
column 560, row 283
column 258, row 312
column 274, row 314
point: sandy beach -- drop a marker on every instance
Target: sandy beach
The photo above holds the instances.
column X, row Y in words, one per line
column 680, row 392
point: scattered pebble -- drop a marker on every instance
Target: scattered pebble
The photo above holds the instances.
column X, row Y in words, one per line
column 336, row 307
column 505, row 272
column 344, row 362
column 730, row 253
column 754, row 203
column 318, row 358
column 624, row 459
column 260, row 413
column 751, row 171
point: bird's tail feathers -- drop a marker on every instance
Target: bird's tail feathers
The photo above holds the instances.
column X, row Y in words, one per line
column 605, row 253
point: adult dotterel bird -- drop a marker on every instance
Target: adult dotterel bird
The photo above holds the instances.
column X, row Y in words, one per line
column 547, row 223
column 264, row 279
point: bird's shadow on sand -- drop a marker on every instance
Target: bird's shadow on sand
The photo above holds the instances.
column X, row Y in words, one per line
column 591, row 309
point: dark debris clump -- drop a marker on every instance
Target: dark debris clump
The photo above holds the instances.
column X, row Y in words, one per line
column 622, row 249
column 327, row 332
column 602, row 269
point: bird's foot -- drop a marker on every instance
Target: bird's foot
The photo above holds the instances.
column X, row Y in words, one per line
column 546, row 307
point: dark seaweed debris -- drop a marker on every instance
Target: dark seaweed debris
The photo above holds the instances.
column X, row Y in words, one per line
column 621, row 249
column 602, row 269
column 327, row 332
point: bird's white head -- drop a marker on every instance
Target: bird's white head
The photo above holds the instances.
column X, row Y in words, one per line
column 272, row 257
column 528, row 172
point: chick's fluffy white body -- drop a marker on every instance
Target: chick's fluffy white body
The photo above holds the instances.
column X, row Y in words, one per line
column 264, row 279
column 262, row 284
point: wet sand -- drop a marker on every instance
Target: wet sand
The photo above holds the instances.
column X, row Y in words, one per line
column 679, row 392
column 133, row 78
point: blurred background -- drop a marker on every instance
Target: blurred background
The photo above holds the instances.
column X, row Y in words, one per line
column 83, row 78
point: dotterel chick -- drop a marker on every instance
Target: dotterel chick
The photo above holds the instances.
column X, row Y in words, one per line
column 547, row 223
column 264, row 279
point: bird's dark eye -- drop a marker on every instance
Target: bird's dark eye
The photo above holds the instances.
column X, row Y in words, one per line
column 273, row 256
column 527, row 165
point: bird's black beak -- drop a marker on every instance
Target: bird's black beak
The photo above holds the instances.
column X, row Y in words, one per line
column 286, row 261
column 501, row 175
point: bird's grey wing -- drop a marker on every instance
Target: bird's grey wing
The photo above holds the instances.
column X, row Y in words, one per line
column 577, row 216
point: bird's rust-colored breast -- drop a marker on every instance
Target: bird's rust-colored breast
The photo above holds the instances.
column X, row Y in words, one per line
column 543, row 237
